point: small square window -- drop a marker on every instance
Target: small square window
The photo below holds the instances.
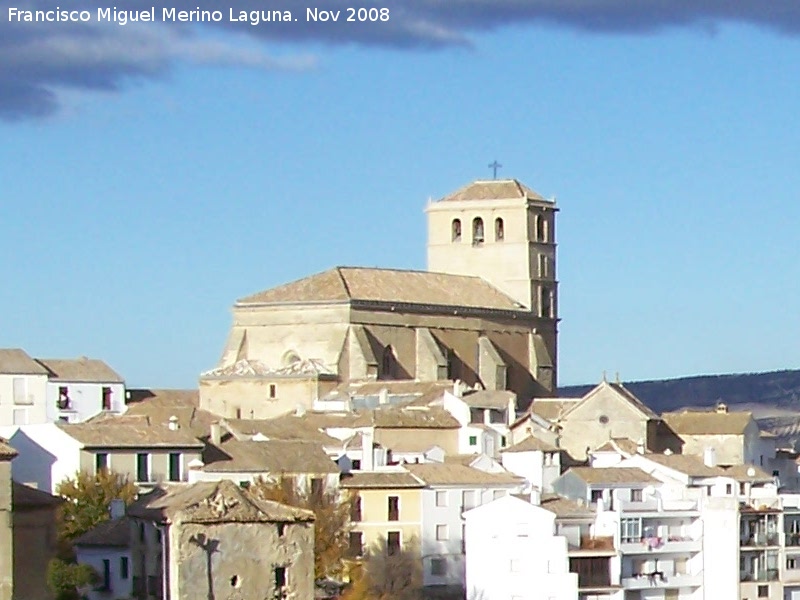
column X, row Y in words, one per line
column 441, row 532
column 516, row 565
column 441, row 498
column 438, row 567
column 497, row 494
column 473, row 440
column 763, row 591
column 792, row 563
column 597, row 495
column 636, row 495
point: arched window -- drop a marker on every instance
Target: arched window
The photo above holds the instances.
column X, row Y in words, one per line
column 456, row 230
column 541, row 228
column 387, row 363
column 477, row 231
column 499, row 232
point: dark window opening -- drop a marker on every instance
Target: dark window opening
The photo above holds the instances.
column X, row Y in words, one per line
column 106, row 574
column 63, row 398
column 174, row 466
column 393, row 542
column 477, row 231
column 142, row 467
column 106, row 398
column 273, row 390
column 281, row 529
column 356, row 464
column 394, row 508
column 124, row 567
column 499, row 231
column 388, row 363
column 280, row 578
column 456, row 230
column 355, row 510
column 356, row 544
column 100, row 461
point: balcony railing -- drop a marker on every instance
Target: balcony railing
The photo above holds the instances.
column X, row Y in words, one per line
column 792, row 539
column 761, row 539
column 661, row 544
column 759, row 575
column 660, row 579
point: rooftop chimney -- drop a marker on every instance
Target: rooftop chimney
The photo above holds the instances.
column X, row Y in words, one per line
column 216, row 433
column 722, row 408
column 383, row 396
column 173, row 423
column 117, row 508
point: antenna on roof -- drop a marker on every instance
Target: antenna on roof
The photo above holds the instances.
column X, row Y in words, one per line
column 604, row 377
column 618, row 382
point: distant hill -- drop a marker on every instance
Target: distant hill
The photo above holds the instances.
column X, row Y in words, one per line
column 767, row 394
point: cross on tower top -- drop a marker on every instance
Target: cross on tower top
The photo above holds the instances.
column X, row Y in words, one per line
column 494, row 166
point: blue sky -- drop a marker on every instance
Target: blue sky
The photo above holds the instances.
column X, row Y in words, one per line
column 148, row 182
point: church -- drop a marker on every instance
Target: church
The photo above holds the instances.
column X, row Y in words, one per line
column 485, row 313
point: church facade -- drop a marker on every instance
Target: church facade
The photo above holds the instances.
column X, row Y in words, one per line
column 485, row 312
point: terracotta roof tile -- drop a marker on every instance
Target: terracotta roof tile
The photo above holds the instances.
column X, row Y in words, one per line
column 380, row 480
column 26, row 497
column 159, row 406
column 565, row 508
column 212, row 502
column 495, row 189
column 113, row 533
column 489, row 399
column 346, row 284
column 234, row 455
column 456, row 474
column 129, row 432
column 695, row 422
column 612, row 475
column 80, row 370
column 16, row 361
column 531, row 444
column 6, row 451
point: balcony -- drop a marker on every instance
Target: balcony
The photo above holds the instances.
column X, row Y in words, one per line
column 597, row 546
column 659, row 579
column 658, row 505
column 792, row 539
column 791, row 576
column 759, row 575
column 672, row 544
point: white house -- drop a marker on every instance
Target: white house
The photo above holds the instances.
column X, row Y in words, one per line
column 47, row 455
column 512, row 553
column 23, row 389
column 107, row 549
column 536, row 460
column 78, row 389
column 485, row 418
column 450, row 489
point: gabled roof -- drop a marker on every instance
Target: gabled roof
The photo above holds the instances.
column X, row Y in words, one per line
column 390, row 287
column 695, row 422
column 112, row 533
column 288, row 428
column 435, row 474
column 552, row 409
column 25, row 497
column 494, row 189
column 621, row 392
column 398, row 417
column 129, row 432
column 688, row 464
column 531, row 444
column 212, row 502
column 565, row 508
column 17, row 362
column 498, row 399
column 159, row 406
column 274, row 456
column 80, row 370
column 613, row 475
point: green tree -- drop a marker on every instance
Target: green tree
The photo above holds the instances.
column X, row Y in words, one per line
column 331, row 520
column 64, row 578
column 88, row 501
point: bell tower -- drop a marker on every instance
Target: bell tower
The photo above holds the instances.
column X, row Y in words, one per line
column 504, row 232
